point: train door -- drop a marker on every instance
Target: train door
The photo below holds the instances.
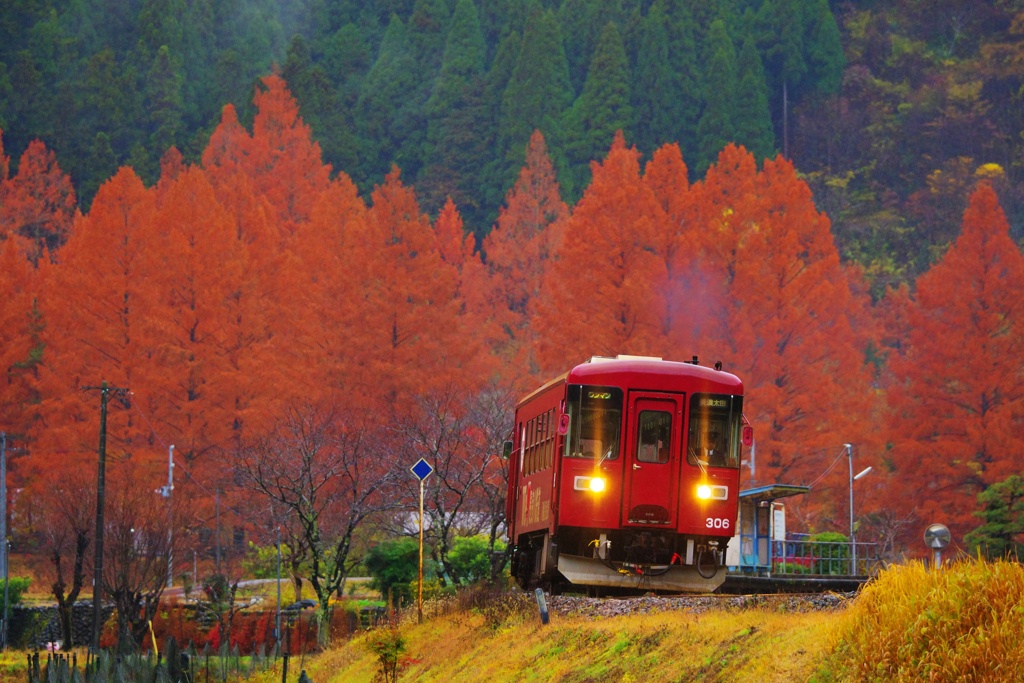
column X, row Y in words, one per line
column 652, row 449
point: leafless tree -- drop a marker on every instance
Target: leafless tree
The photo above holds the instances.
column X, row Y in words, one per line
column 142, row 531
column 460, row 435
column 331, row 473
column 493, row 413
column 68, row 524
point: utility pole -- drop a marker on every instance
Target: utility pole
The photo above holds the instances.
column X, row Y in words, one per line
column 3, row 532
column 97, row 573
column 277, row 630
column 217, row 556
column 165, row 491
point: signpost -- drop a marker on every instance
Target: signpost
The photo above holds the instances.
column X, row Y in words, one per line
column 937, row 537
column 421, row 470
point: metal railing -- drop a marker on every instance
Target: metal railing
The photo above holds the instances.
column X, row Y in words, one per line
column 821, row 558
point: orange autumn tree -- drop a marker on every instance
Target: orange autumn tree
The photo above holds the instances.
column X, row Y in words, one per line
column 520, row 247
column 38, row 204
column 685, row 312
column 97, row 307
column 280, row 157
column 330, row 289
column 958, row 395
column 786, row 319
column 604, row 292
column 410, row 296
column 196, row 271
column 458, row 249
column 20, row 346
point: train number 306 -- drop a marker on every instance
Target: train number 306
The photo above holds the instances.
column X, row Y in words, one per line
column 716, row 523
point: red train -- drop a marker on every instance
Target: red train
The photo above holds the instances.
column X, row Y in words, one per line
column 624, row 474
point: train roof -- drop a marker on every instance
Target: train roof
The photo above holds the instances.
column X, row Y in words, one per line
column 644, row 372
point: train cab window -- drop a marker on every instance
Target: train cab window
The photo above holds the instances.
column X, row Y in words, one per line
column 713, row 439
column 654, row 436
column 595, row 422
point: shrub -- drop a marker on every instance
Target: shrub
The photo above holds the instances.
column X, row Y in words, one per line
column 471, row 559
column 388, row 644
column 17, row 586
column 393, row 565
column 833, row 552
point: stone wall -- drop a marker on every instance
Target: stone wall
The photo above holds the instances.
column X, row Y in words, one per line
column 34, row 627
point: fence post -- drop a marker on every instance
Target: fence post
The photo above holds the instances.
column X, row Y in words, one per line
column 542, row 605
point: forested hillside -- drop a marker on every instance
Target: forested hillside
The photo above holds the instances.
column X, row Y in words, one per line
column 890, row 109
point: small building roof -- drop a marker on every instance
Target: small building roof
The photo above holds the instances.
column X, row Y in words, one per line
column 774, row 492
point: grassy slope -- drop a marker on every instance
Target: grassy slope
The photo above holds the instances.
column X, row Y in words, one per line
column 965, row 622
column 724, row 645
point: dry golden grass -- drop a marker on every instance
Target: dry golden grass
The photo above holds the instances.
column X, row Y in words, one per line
column 964, row 622
column 745, row 645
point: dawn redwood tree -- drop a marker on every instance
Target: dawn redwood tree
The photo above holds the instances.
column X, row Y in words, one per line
column 325, row 290
column 331, row 469
column 98, row 306
column 20, row 347
column 38, row 204
column 189, row 393
column 410, row 297
column 785, row 316
column 606, row 285
column 520, row 247
column 684, row 316
column 280, row 157
column 457, row 248
column 285, row 163
column 957, row 398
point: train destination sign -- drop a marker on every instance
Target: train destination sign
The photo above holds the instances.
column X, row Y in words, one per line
column 936, row 536
column 422, row 469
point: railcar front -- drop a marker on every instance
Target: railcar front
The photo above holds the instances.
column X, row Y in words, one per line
column 624, row 474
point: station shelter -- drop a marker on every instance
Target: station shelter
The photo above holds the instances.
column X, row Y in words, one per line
column 762, row 520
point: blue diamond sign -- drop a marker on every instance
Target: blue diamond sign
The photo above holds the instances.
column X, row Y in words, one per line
column 422, row 469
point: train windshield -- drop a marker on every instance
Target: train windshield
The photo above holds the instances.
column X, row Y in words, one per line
column 714, row 434
column 595, row 422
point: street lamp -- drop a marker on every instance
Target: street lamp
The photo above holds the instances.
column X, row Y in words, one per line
column 853, row 541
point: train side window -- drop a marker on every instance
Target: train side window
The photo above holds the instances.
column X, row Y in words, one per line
column 530, row 465
column 549, row 439
column 654, row 436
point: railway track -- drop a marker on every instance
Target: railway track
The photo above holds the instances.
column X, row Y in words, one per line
column 573, row 605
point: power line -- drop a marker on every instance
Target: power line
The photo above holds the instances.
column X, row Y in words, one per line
column 841, row 454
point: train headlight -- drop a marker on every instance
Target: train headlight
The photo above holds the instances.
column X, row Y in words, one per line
column 709, row 492
column 594, row 484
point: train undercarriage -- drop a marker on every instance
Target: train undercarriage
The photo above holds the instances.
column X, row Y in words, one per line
column 619, row 561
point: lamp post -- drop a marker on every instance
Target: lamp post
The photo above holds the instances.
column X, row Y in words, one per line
column 853, row 540
column 3, row 533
